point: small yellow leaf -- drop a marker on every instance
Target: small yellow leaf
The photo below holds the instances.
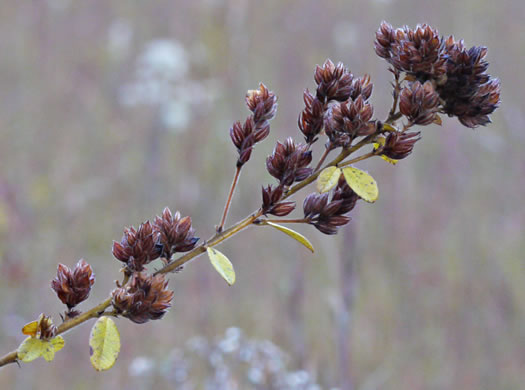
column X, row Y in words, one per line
column 222, row 265
column 328, row 179
column 30, row 328
column 104, row 344
column 30, row 349
column 362, row 183
column 388, row 127
column 390, row 160
column 292, row 233
column 52, row 346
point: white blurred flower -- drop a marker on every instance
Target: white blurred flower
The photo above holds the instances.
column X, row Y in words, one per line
column 141, row 366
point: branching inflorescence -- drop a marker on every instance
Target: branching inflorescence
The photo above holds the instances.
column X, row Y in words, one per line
column 433, row 75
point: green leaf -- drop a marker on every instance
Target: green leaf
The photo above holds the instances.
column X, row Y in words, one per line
column 362, row 183
column 104, row 344
column 292, row 233
column 223, row 266
column 52, row 346
column 32, row 348
column 328, row 179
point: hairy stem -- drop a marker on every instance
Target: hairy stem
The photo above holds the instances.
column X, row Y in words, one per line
column 229, row 200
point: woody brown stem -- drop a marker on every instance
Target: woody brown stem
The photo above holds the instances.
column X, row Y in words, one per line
column 230, row 196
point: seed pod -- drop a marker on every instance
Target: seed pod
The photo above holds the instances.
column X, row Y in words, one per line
column 73, row 286
column 399, row 145
column 271, row 204
column 137, row 247
column 144, row 298
column 174, row 233
column 289, row 162
column 419, row 103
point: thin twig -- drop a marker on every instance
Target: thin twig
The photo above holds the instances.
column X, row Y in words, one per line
column 327, row 150
column 230, row 196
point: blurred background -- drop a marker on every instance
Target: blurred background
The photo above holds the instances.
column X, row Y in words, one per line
column 110, row 111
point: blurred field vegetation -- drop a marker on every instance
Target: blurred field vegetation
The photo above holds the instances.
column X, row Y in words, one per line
column 110, row 111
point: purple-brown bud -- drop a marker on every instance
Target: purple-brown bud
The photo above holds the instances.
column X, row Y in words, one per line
column 417, row 52
column 271, row 205
column 289, row 162
column 399, row 145
column 349, row 120
column 263, row 105
column 327, row 214
column 174, row 233
column 144, row 298
column 73, row 286
column 311, row 119
column 137, row 247
column 468, row 91
column 334, row 82
column 419, row 103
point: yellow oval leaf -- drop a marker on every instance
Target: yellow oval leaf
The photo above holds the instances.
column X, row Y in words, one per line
column 389, row 160
column 30, row 349
column 52, row 346
column 104, row 344
column 222, row 265
column 292, row 233
column 328, row 179
column 30, row 329
column 362, row 183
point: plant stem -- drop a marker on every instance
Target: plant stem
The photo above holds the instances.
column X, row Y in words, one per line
column 360, row 158
column 302, row 220
column 219, row 237
column 230, row 196
column 327, row 150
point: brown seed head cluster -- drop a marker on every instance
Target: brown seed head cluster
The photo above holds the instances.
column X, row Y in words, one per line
column 327, row 213
column 458, row 74
column 263, row 105
column 137, row 247
column 271, row 205
column 417, row 52
column 289, row 162
column 419, row 103
column 349, row 120
column 399, row 145
column 469, row 92
column 73, row 286
column 175, row 234
column 144, row 298
column 334, row 83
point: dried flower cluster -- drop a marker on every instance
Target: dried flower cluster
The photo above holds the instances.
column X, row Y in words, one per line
column 457, row 74
column 327, row 211
column 263, row 105
column 271, row 205
column 144, row 298
column 73, row 286
column 289, row 162
column 174, row 233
